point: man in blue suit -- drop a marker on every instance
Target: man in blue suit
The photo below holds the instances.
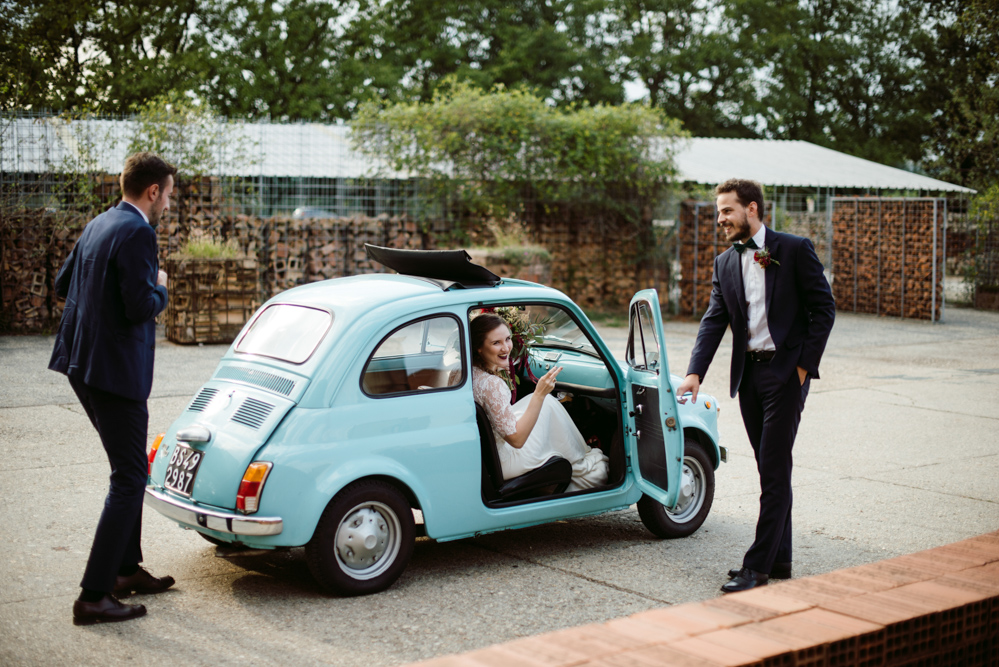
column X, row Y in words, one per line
column 105, row 344
column 770, row 289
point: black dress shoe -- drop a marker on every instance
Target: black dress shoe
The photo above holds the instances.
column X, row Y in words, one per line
column 745, row 580
column 779, row 571
column 141, row 582
column 105, row 610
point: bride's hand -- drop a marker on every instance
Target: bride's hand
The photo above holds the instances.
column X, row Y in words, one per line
column 547, row 381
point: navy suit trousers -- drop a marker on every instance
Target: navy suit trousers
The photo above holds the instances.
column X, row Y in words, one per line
column 122, row 424
column 771, row 411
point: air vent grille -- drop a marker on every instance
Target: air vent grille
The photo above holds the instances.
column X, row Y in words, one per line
column 202, row 400
column 252, row 413
column 274, row 383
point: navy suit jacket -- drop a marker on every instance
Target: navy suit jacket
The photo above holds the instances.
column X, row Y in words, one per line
column 107, row 335
column 800, row 310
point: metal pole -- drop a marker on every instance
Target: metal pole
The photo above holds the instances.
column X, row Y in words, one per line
column 933, row 270
column 697, row 225
column 943, row 281
column 902, row 305
column 856, row 223
column 679, row 240
column 877, row 308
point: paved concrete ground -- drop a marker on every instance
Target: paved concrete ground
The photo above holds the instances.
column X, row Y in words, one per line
column 898, row 451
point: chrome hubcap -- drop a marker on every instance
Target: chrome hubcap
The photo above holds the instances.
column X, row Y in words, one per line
column 367, row 540
column 691, row 492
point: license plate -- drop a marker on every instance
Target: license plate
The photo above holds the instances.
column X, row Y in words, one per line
column 182, row 468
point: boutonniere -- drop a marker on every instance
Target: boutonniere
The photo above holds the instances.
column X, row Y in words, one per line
column 763, row 258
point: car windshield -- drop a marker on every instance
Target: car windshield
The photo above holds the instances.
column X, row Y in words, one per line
column 551, row 327
column 286, row 332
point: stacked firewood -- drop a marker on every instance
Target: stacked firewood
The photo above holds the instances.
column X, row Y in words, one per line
column 210, row 299
column 884, row 257
column 33, row 247
column 699, row 243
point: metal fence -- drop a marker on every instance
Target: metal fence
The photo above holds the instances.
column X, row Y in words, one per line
column 302, row 170
column 882, row 255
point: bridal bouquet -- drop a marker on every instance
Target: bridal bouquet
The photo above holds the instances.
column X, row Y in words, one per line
column 524, row 333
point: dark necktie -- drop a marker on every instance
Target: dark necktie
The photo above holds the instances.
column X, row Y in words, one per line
column 741, row 247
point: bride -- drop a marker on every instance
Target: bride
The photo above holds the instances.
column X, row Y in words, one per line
column 538, row 426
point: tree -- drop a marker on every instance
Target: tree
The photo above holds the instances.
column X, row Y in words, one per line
column 838, row 74
column 554, row 47
column 680, row 50
column 961, row 56
column 290, row 61
column 490, row 150
column 105, row 56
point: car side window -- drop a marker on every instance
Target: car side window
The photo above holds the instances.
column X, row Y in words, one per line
column 423, row 355
column 643, row 345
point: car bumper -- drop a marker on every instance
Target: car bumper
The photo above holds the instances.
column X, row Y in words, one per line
column 195, row 516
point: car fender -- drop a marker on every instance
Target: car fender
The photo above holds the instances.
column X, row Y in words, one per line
column 340, row 476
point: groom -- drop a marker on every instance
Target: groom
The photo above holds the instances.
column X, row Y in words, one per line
column 769, row 288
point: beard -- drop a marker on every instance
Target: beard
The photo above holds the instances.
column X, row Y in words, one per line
column 740, row 230
column 156, row 211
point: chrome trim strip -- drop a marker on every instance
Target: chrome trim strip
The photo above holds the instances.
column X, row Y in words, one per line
column 183, row 512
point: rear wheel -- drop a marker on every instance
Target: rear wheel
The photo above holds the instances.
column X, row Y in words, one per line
column 363, row 540
column 697, row 492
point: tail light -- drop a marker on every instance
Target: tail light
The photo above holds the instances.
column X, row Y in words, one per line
column 252, row 486
column 152, row 452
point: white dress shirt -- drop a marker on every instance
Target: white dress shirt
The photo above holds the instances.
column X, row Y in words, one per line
column 756, row 297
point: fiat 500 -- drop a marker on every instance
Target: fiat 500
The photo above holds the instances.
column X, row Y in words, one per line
column 342, row 419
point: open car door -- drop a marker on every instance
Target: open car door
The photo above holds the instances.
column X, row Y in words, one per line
column 657, row 447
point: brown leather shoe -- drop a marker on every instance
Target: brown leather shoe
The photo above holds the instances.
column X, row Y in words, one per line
column 780, row 571
column 746, row 580
column 106, row 610
column 141, row 582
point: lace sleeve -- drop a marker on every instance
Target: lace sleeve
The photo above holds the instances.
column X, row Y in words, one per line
column 493, row 395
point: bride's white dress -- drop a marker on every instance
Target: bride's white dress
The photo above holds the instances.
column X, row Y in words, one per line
column 554, row 433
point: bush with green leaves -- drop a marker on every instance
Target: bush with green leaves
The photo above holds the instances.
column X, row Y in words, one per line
column 490, row 155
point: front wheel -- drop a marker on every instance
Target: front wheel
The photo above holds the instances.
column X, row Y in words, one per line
column 363, row 540
column 697, row 492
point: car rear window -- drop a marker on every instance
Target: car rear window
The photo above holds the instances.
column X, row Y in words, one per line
column 286, row 332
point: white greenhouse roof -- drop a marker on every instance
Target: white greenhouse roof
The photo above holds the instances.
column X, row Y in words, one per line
column 793, row 164
column 324, row 151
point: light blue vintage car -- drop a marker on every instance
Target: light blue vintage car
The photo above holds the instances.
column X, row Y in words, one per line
column 343, row 412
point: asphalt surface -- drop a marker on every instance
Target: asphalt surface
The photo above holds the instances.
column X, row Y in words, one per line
column 898, row 451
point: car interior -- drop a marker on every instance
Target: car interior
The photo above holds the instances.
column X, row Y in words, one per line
column 585, row 388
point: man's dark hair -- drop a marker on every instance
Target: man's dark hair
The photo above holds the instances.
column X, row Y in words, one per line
column 746, row 191
column 145, row 169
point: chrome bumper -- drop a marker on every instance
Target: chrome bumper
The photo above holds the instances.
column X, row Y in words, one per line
column 188, row 514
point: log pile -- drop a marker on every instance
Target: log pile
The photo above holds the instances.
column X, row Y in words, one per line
column 33, row 247
column 598, row 265
column 699, row 242
column 883, row 257
column 209, row 299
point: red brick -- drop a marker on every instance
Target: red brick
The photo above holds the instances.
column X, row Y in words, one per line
column 889, row 571
column 653, row 656
column 708, row 650
column 770, row 598
column 881, row 608
column 692, row 619
column 950, row 558
column 818, row 626
column 939, row 597
column 817, row 590
column 744, row 640
column 984, row 578
column 650, row 633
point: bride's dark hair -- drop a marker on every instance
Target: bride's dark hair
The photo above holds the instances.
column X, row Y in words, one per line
column 480, row 327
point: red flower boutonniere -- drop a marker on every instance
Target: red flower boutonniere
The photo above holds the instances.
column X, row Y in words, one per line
column 763, row 258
